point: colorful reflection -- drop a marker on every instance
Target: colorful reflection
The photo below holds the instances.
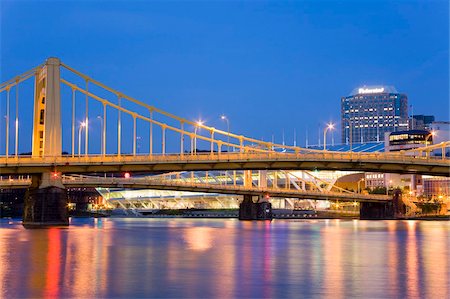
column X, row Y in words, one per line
column 194, row 258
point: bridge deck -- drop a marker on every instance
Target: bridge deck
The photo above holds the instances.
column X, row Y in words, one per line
column 369, row 162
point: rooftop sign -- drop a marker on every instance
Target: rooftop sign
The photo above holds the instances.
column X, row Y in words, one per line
column 371, row 90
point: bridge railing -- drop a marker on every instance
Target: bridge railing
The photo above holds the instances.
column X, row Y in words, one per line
column 329, row 156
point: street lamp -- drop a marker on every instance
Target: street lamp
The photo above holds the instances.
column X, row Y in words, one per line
column 350, row 131
column 432, row 133
column 198, row 124
column 330, row 126
column 138, row 141
column 82, row 125
column 359, row 189
column 388, row 186
column 223, row 117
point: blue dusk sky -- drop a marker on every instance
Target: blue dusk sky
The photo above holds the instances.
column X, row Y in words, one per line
column 269, row 66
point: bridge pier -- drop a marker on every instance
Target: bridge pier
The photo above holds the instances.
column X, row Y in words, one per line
column 45, row 203
column 393, row 209
column 260, row 210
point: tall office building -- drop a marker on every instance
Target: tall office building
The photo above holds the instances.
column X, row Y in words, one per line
column 369, row 112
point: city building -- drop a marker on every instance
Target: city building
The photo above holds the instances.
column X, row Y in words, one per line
column 404, row 140
column 441, row 131
column 369, row 112
column 398, row 141
column 421, row 122
column 436, row 187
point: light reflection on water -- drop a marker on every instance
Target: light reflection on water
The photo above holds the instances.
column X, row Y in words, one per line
column 194, row 258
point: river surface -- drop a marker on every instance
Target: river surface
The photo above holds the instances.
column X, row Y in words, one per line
column 225, row 258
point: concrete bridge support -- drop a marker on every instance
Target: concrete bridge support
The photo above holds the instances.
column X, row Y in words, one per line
column 393, row 209
column 259, row 210
column 46, row 199
column 45, row 202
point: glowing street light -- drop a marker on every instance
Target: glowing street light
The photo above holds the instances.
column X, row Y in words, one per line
column 198, row 124
column 432, row 133
column 388, row 186
column 82, row 125
column 223, row 117
column 359, row 189
column 350, row 130
column 330, row 126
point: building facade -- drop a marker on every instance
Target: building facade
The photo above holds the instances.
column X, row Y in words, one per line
column 369, row 112
column 441, row 130
column 436, row 187
column 405, row 140
column 421, row 122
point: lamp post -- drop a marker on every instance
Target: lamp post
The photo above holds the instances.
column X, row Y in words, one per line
column 388, row 186
column 223, row 117
column 198, row 124
column 359, row 188
column 82, row 125
column 330, row 126
column 102, row 128
column 350, row 133
column 432, row 133
column 138, row 142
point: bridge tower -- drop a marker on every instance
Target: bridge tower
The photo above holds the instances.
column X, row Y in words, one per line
column 47, row 141
column 46, row 199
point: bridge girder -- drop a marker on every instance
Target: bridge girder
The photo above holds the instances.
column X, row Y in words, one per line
column 132, row 164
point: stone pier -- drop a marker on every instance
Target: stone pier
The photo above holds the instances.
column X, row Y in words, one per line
column 393, row 209
column 259, row 210
column 45, row 203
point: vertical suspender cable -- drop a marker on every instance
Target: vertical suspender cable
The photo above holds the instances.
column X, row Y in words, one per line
column 212, row 141
column 182, row 138
column 17, row 119
column 119, row 129
column 73, row 122
column 134, row 135
column 7, row 122
column 163, row 140
column 104, row 130
column 151, row 132
column 86, row 140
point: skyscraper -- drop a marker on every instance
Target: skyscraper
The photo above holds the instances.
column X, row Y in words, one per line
column 370, row 111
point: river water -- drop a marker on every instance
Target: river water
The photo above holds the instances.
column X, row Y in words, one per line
column 225, row 258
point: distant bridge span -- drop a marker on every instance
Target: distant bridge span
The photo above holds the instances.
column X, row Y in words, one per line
column 160, row 183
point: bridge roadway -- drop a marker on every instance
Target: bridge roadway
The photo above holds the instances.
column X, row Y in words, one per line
column 344, row 161
column 71, row 181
